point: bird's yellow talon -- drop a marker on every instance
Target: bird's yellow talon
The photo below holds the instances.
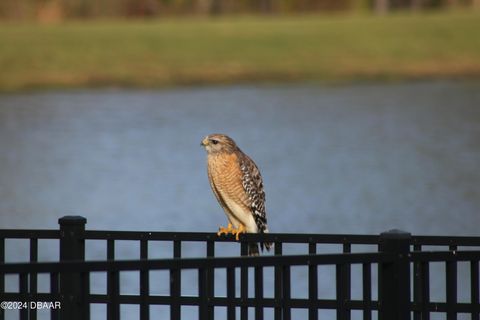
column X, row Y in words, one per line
column 240, row 229
column 226, row 230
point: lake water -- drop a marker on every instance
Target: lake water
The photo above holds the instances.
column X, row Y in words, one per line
column 357, row 159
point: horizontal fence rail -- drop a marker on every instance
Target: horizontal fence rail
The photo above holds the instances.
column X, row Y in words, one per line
column 208, row 263
column 389, row 263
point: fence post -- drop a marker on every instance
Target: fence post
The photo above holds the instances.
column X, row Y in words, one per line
column 72, row 247
column 394, row 276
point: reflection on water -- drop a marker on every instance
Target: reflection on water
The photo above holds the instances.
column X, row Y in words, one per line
column 357, row 159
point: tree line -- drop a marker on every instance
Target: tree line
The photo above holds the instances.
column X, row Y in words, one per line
column 50, row 10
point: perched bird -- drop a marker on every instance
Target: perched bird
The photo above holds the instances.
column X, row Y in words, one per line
column 238, row 187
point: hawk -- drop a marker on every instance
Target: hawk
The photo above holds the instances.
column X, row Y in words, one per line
column 238, row 187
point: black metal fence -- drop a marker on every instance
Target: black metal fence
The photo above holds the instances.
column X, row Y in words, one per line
column 398, row 261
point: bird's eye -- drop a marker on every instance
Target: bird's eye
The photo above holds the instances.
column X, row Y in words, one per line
column 214, row 141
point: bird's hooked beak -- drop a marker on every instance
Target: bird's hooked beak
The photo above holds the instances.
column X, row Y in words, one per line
column 204, row 142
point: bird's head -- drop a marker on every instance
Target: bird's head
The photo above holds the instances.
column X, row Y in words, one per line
column 215, row 143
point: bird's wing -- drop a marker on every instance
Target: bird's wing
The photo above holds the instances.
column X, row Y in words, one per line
column 253, row 186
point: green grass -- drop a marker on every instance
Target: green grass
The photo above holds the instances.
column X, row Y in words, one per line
column 190, row 51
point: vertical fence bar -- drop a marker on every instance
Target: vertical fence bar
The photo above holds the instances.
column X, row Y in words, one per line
column 85, row 279
column 144, row 283
column 33, row 276
column 343, row 286
column 347, row 275
column 210, row 248
column 343, row 275
column 23, row 286
column 312, row 284
column 210, row 278
column 421, row 287
column 176, row 283
column 202, row 294
column 278, row 283
column 367, row 290
column 244, row 283
column 54, row 314
column 113, row 279
column 417, row 288
column 259, row 293
column 474, row 283
column 2, row 276
column 451, row 287
column 72, row 247
column 287, row 312
column 177, row 249
column 425, row 289
column 231, row 293
column 394, row 276
column 175, row 293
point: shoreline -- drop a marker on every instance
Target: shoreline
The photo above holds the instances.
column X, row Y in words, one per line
column 330, row 50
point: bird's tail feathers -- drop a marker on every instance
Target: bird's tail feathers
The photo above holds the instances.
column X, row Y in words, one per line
column 267, row 245
column 253, row 249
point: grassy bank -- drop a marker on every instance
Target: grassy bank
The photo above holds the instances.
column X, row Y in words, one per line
column 189, row 51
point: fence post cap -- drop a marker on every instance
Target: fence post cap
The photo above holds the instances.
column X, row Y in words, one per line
column 72, row 220
column 396, row 234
